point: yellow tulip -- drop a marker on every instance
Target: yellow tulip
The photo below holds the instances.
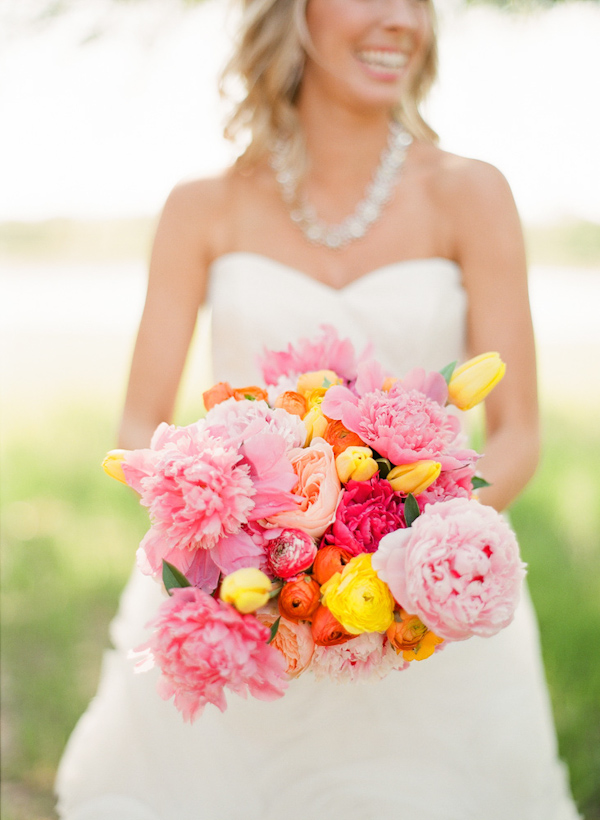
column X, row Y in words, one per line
column 414, row 478
column 315, row 379
column 315, row 423
column 358, row 598
column 113, row 464
column 247, row 589
column 472, row 381
column 356, row 463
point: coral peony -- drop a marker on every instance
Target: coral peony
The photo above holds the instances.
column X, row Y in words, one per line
column 202, row 646
column 457, row 568
column 402, row 425
column 318, row 490
column 289, row 553
column 327, row 351
column 294, row 641
column 368, row 511
column 367, row 658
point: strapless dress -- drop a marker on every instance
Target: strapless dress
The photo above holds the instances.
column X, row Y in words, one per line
column 467, row 735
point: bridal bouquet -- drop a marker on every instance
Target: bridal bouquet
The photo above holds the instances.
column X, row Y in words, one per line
column 324, row 524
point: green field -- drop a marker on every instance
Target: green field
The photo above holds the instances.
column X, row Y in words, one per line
column 69, row 539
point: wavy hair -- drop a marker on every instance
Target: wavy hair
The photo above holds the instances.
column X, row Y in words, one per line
column 268, row 62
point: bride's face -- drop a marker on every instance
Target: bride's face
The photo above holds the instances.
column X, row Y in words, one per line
column 367, row 51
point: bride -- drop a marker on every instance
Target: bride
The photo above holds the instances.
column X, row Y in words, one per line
column 344, row 210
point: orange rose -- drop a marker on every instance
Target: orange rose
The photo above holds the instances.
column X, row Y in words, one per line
column 340, row 437
column 252, row 392
column 299, row 599
column 293, row 402
column 318, row 490
column 294, row 641
column 326, row 630
column 329, row 560
column 218, row 393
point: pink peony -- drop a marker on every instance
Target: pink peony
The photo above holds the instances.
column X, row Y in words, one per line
column 402, row 425
column 194, row 486
column 457, row 568
column 450, row 484
column 202, row 646
column 326, row 352
column 368, row 511
column 239, row 420
column 317, row 492
column 369, row 657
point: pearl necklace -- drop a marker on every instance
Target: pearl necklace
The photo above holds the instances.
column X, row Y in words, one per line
column 368, row 210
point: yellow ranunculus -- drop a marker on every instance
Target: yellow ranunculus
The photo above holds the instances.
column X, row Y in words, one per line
column 315, row 423
column 315, row 397
column 356, row 463
column 113, row 464
column 315, row 379
column 414, row 478
column 358, row 598
column 472, row 381
column 247, row 589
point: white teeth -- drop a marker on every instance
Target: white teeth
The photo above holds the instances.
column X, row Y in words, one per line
column 384, row 59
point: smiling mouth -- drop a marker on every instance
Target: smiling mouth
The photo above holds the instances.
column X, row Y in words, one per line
column 388, row 60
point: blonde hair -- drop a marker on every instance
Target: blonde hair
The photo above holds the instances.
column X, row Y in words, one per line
column 268, row 59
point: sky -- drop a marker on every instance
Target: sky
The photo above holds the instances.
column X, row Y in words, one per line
column 105, row 128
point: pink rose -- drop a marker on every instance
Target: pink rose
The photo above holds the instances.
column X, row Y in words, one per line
column 368, row 511
column 457, row 568
column 317, row 491
column 294, row 641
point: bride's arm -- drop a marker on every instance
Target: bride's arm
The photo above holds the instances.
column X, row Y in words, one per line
column 176, row 286
column 490, row 250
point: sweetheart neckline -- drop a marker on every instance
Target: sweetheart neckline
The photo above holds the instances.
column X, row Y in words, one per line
column 359, row 279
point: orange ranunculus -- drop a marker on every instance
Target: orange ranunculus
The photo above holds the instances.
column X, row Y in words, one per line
column 299, row 599
column 329, row 560
column 327, row 630
column 409, row 635
column 251, row 392
column 218, row 393
column 340, row 437
column 293, row 402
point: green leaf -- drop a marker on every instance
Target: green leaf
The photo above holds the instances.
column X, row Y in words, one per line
column 326, row 383
column 478, row 482
column 172, row 578
column 385, row 465
column 274, row 629
column 249, row 397
column 448, row 371
column 411, row 510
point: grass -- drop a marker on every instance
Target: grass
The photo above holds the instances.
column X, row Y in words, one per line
column 69, row 539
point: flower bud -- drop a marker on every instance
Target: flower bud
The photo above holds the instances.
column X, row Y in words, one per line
column 247, row 589
column 472, row 381
column 291, row 552
column 317, row 378
column 414, row 478
column 316, row 424
column 329, row 560
column 299, row 599
column 113, row 464
column 340, row 437
column 217, row 393
column 327, row 630
column 292, row 402
column 356, row 463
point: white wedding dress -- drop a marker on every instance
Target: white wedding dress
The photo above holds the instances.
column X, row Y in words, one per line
column 466, row 735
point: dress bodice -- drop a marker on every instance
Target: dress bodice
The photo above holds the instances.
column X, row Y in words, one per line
column 412, row 311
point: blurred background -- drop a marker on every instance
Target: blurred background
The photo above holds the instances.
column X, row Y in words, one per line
column 105, row 105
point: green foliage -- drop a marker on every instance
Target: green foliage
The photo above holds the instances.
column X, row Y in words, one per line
column 70, row 535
